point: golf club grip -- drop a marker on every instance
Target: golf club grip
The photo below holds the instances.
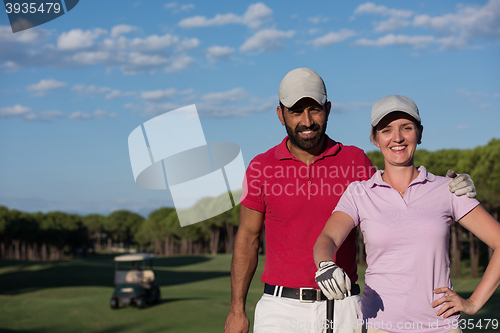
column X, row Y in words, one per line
column 451, row 174
column 329, row 315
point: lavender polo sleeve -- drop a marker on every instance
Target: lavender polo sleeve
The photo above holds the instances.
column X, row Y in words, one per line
column 347, row 202
column 462, row 205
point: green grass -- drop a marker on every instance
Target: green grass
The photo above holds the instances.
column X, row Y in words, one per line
column 73, row 296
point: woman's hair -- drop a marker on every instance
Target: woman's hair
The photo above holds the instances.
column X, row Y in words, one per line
column 418, row 126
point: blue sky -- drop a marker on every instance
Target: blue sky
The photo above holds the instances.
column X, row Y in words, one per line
column 73, row 89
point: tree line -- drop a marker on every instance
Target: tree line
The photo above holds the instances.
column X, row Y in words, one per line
column 54, row 235
column 50, row 236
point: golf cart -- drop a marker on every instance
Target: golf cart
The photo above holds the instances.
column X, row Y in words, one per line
column 135, row 284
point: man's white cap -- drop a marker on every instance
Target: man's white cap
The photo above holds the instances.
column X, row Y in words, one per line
column 301, row 83
column 392, row 103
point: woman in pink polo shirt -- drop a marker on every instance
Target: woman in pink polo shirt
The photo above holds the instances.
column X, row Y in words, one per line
column 405, row 215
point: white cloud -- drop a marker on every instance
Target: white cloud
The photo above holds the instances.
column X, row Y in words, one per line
column 138, row 62
column 255, row 15
column 187, row 7
column 132, row 55
column 468, row 24
column 78, row 39
column 158, row 95
column 393, row 23
column 187, row 44
column 464, row 92
column 398, row 18
column 98, row 114
column 31, row 36
column 203, row 21
column 175, row 7
column 121, row 29
column 117, row 94
column 317, row 19
column 89, row 90
column 170, row 5
column 90, row 58
column 156, row 109
column 233, row 95
column 215, row 53
column 101, row 114
column 80, row 115
column 266, row 40
column 237, row 108
column 332, row 38
column 10, row 66
column 42, row 87
column 400, row 40
column 150, row 43
column 44, row 116
column 27, row 113
column 13, row 111
column 371, row 8
column 179, row 63
column 234, row 102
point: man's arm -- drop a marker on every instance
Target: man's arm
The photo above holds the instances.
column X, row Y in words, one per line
column 245, row 256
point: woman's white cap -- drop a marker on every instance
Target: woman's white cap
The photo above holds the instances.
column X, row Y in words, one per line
column 301, row 83
column 392, row 103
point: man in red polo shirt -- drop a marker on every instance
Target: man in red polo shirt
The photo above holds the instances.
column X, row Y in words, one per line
column 294, row 187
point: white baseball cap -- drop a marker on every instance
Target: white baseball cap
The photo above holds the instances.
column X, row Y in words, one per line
column 301, row 83
column 392, row 103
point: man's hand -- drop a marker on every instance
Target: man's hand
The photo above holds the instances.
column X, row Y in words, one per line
column 332, row 280
column 462, row 184
column 236, row 323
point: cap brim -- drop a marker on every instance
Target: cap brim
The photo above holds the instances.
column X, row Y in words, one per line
column 379, row 118
column 290, row 100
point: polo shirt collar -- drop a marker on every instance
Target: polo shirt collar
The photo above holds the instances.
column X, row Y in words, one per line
column 282, row 152
column 422, row 177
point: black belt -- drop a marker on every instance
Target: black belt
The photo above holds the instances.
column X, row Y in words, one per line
column 307, row 295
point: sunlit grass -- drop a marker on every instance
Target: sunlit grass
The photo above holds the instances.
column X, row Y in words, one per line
column 73, row 296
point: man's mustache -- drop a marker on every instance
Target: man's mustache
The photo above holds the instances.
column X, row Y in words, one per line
column 313, row 127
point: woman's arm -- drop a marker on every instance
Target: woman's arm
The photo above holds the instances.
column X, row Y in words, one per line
column 487, row 229
column 333, row 235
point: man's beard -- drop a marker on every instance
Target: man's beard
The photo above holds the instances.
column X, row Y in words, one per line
column 309, row 143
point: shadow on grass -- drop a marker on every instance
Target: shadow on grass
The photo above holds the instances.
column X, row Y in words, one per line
column 179, row 261
column 114, row 329
column 175, row 261
column 32, row 276
column 164, row 301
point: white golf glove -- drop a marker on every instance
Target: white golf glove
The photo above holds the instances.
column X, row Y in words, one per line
column 332, row 280
column 462, row 184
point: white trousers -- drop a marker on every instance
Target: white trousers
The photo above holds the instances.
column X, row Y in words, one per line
column 280, row 315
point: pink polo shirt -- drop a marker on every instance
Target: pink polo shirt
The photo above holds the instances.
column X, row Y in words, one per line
column 407, row 249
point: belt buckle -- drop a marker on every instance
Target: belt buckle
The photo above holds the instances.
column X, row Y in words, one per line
column 318, row 295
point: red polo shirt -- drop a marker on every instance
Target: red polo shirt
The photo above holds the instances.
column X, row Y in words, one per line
column 297, row 200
